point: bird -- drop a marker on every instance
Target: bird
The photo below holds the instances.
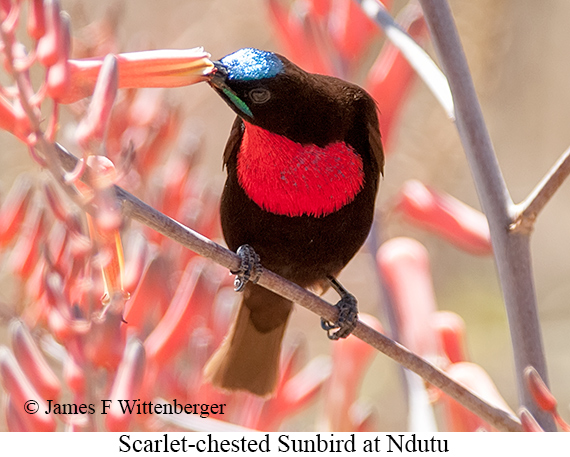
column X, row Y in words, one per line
column 304, row 159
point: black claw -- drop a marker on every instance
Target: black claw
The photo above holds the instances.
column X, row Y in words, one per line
column 347, row 313
column 250, row 268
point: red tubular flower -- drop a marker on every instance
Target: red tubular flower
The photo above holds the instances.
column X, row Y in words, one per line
column 5, row 8
column 105, row 224
column 159, row 68
column 74, row 377
column 14, row 208
column 475, row 378
column 14, row 419
column 275, row 409
column 543, row 397
column 10, row 13
column 321, row 8
column 26, row 251
column 54, row 201
column 391, row 76
column 296, row 393
column 139, row 256
column 36, row 19
column 57, row 248
column 33, row 363
column 92, row 127
column 539, row 391
column 451, row 330
column 150, row 297
column 49, row 46
column 445, row 216
column 21, row 391
column 8, row 117
column 60, row 327
column 405, row 267
column 299, row 37
column 150, row 133
column 363, row 417
column 176, row 174
column 80, row 244
column 58, row 74
column 169, row 335
column 126, row 386
column 105, row 345
column 35, row 283
column 529, row 423
column 351, row 358
column 288, row 28
column 352, row 31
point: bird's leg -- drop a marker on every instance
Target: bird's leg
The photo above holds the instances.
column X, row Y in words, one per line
column 347, row 313
column 250, row 268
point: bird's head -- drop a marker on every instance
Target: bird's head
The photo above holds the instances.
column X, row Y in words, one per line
column 244, row 79
column 262, row 87
column 268, row 90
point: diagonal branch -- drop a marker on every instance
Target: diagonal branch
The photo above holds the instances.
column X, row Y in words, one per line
column 134, row 208
column 528, row 209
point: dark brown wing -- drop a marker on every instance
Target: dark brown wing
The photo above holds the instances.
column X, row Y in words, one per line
column 234, row 141
column 376, row 144
column 370, row 113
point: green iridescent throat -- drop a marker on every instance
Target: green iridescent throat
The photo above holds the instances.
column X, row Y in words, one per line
column 238, row 102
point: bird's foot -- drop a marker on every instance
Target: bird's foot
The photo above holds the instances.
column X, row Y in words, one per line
column 250, row 268
column 347, row 313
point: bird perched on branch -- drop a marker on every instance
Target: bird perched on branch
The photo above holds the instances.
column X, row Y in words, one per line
column 303, row 159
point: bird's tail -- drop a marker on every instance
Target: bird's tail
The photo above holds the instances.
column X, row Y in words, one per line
column 248, row 358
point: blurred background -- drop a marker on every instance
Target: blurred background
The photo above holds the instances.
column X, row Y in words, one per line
column 518, row 54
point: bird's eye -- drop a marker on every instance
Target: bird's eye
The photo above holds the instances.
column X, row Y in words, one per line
column 259, row 95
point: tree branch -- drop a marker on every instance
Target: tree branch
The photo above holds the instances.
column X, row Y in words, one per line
column 134, row 208
column 511, row 250
column 528, row 209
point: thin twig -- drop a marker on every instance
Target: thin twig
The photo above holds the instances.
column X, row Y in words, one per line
column 134, row 208
column 528, row 209
column 511, row 249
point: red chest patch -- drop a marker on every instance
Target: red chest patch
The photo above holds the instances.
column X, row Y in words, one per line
column 288, row 178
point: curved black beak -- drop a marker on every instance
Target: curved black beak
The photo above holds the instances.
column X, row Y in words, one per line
column 219, row 75
column 219, row 82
